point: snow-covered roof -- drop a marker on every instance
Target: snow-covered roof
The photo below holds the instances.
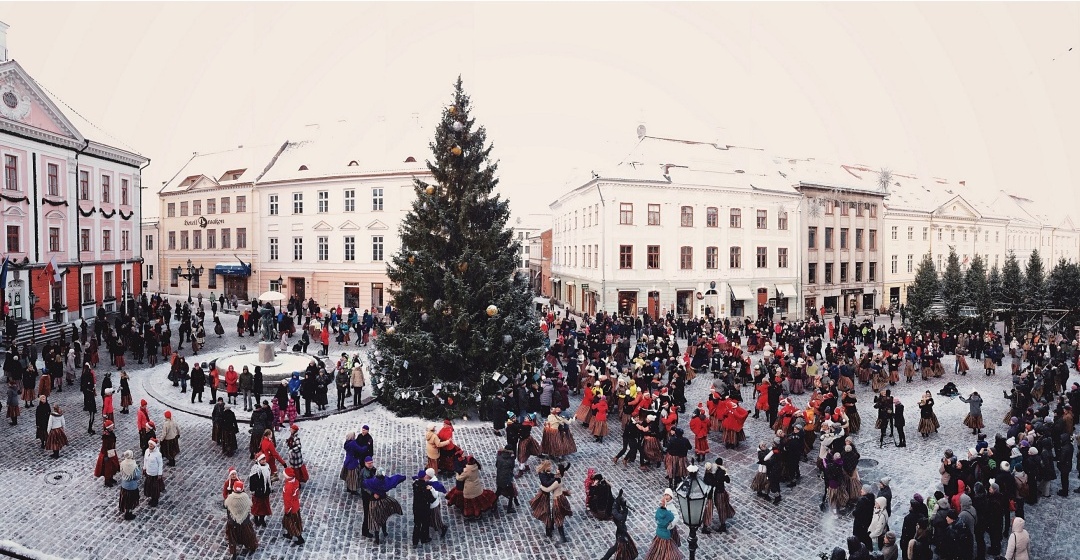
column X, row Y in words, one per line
column 347, row 148
column 818, row 173
column 240, row 165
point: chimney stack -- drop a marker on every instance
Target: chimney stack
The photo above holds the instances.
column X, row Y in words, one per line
column 3, row 42
column 963, row 183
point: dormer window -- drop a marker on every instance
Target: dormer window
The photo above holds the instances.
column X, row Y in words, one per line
column 233, row 175
column 353, row 163
column 410, row 159
column 303, row 168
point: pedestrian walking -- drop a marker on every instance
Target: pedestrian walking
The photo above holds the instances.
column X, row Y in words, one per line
column 229, row 428
column 57, row 438
column 108, row 464
column 154, row 470
column 125, row 392
column 13, row 408
column 291, row 520
column 170, row 439
column 504, row 477
column 130, row 475
column 41, row 417
column 239, row 530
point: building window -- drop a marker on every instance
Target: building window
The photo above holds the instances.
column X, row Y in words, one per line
column 735, row 258
column 652, row 257
column 997, row 236
column 149, row 242
column 241, row 204
column 54, row 239
column 952, row 235
column 211, row 206
column 298, row 203
column 377, row 248
column 13, row 239
column 11, row 172
column 376, row 294
column 273, row 249
column 196, row 207
column 350, row 248
column 53, row 172
column 88, row 286
column 350, row 200
column 811, row 273
column 106, row 240
column 324, row 248
column 925, row 234
column 241, row 238
column 858, row 238
column 183, row 208
column 843, row 238
column 763, row 219
column 873, row 240
column 686, row 216
column 828, row 273
column 828, row 238
column 893, row 233
column 858, row 208
column 736, row 218
column 225, row 205
column 125, row 240
column 910, row 233
column 711, row 217
column 872, row 272
column 986, row 238
column 107, row 285
column 686, row 258
column 273, row 205
column 845, row 208
column 781, row 221
column 149, row 271
column 84, row 187
column 654, row 214
column 626, row 213
column 781, row 257
column 377, row 199
column 858, row 271
column 86, row 240
column 762, row 257
column 894, row 264
column 843, row 272
column 226, row 242
column 298, row 248
column 830, row 207
column 811, row 237
column 626, row 256
column 324, row 202
column 211, row 282
column 712, row 258
column 911, row 263
column 106, row 184
column 873, row 210
column 184, row 244
column 211, row 239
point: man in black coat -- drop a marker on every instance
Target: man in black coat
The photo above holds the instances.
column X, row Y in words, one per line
column 898, row 422
column 41, row 419
column 365, row 440
column 308, row 389
column 1065, row 463
column 421, row 509
column 504, row 477
column 916, row 511
column 862, row 516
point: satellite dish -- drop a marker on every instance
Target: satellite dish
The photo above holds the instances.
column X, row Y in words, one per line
column 640, row 131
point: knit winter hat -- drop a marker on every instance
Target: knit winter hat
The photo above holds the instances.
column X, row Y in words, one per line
column 168, row 414
column 430, row 473
column 238, row 486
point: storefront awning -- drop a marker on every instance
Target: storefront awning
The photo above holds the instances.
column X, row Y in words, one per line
column 556, row 280
column 570, row 283
column 741, row 292
column 787, row 289
column 232, row 269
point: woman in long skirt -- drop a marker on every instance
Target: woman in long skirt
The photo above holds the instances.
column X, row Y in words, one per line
column 852, row 412
column 125, row 392
column 527, row 446
column 651, row 452
column 382, row 508
column 760, row 482
column 239, row 529
column 664, row 546
column 557, row 441
column 129, row 485
column 13, row 407
column 550, row 504
column 718, row 505
column 974, row 419
column 57, row 438
column 928, row 422
column 598, row 425
column 108, row 464
column 624, row 548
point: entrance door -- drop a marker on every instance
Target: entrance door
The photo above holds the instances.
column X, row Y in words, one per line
column 236, row 286
column 810, row 306
column 762, row 301
column 654, row 305
column 628, row 303
column 894, row 297
column 684, row 303
column 298, row 289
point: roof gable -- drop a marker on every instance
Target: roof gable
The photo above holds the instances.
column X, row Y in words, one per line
column 349, row 225
column 957, row 207
column 23, row 102
column 377, row 225
column 323, row 226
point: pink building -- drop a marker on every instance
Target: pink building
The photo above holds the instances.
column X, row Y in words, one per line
column 70, row 206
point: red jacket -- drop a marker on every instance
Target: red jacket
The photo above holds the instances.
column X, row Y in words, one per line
column 268, row 448
column 600, row 407
column 215, row 377
column 232, row 381
column 141, row 419
column 700, row 426
column 291, row 495
column 734, row 418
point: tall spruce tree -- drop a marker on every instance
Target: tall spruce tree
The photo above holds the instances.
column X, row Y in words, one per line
column 1035, row 282
column 466, row 315
column 1061, row 285
column 994, row 282
column 977, row 290
column 1012, row 282
column 952, row 286
column 921, row 292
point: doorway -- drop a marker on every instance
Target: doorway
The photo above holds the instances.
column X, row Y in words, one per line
column 894, row 297
column 684, row 303
column 654, row 305
column 628, row 303
column 298, row 289
column 762, row 301
column 236, row 286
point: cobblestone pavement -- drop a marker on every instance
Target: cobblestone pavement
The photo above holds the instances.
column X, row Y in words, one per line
column 57, row 507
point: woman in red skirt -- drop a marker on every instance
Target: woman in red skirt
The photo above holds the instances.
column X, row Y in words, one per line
column 260, row 483
column 584, row 411
column 108, row 464
column 476, row 498
column 57, row 438
column 550, row 504
column 699, row 425
column 664, row 546
column 598, row 425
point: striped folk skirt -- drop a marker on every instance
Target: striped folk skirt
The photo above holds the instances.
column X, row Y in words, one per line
column 555, row 514
column 854, row 421
column 664, row 549
column 153, row 486
column 527, row 448
column 974, row 422
column 294, row 526
column 57, row 439
column 557, row 443
column 241, row 534
column 650, row 449
column 719, row 507
column 928, row 425
column 129, row 500
column 701, row 445
column 675, row 466
column 598, row 427
column 380, row 512
column 625, row 548
column 170, row 448
column 351, row 478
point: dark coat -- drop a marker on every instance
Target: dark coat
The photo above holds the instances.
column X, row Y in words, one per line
column 422, row 499
column 862, row 516
column 504, row 469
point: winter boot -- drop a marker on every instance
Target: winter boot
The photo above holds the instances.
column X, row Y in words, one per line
column 562, row 534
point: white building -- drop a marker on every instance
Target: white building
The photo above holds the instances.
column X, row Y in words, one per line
column 150, row 267
column 679, row 226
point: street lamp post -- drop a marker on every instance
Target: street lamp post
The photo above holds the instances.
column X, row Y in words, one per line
column 33, row 299
column 691, row 496
column 124, row 295
column 280, row 286
column 192, row 273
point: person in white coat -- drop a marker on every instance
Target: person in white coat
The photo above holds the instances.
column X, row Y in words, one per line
column 153, row 469
column 1019, row 541
column 879, row 523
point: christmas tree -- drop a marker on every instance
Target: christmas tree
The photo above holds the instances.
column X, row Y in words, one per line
column 467, row 326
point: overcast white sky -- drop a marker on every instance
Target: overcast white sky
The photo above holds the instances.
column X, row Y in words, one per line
column 976, row 91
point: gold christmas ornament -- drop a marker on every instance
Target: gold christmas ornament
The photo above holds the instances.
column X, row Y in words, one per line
column 430, row 190
column 412, row 259
column 492, row 311
column 463, row 267
column 456, row 150
column 452, row 110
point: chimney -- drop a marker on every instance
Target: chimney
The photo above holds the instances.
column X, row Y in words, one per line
column 3, row 42
column 963, row 183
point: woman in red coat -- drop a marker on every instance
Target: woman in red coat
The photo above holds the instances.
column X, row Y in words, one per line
column 232, row 384
column 291, row 521
column 732, row 422
column 699, row 424
column 763, row 398
column 267, row 448
column 598, row 426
